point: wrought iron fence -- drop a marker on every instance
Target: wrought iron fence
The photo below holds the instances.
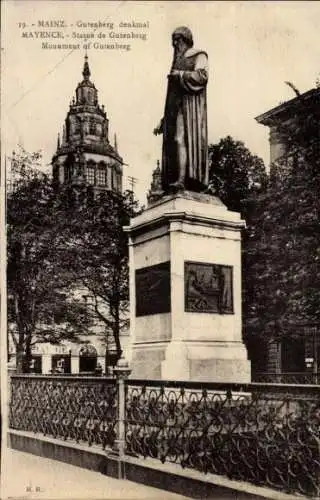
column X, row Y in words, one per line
column 266, row 434
column 261, row 434
column 288, row 377
column 65, row 407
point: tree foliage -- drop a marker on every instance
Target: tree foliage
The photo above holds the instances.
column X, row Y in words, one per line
column 38, row 309
column 283, row 238
column 235, row 173
column 59, row 243
column 281, row 242
column 239, row 179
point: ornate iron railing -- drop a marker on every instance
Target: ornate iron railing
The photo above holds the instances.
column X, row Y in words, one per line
column 288, row 377
column 265, row 434
column 84, row 410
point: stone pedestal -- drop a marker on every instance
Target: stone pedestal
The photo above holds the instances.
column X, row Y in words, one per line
column 177, row 332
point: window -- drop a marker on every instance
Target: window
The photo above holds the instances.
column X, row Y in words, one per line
column 88, row 303
column 77, row 126
column 61, row 363
column 119, row 182
column 293, row 354
column 109, row 176
column 88, row 358
column 36, row 364
column 101, row 176
column 92, row 127
column 61, row 173
column 90, row 174
column 116, row 181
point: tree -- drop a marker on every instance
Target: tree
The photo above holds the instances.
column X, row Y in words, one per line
column 98, row 257
column 284, row 242
column 235, row 173
column 37, row 290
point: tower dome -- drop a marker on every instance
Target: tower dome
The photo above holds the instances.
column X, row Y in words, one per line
column 86, row 130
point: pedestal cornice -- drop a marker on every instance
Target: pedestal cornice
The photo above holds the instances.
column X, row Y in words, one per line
column 201, row 210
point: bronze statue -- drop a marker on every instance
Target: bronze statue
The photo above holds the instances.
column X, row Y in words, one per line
column 184, row 125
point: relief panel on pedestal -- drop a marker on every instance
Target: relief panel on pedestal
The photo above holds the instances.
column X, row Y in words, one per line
column 208, row 288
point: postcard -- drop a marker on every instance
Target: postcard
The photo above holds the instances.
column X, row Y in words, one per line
column 96, row 97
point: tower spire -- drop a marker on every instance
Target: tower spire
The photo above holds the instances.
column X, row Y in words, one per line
column 115, row 143
column 156, row 190
column 86, row 70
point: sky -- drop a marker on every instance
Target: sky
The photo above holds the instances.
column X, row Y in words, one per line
column 253, row 48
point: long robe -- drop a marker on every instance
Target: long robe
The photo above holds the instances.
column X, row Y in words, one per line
column 186, row 106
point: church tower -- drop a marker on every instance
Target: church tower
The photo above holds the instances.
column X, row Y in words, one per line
column 84, row 158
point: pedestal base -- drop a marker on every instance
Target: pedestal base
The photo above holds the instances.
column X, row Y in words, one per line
column 206, row 362
column 146, row 361
column 176, row 339
column 198, row 361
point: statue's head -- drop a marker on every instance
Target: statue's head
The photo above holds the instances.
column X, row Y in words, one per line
column 182, row 34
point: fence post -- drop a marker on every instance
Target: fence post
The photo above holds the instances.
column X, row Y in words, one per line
column 122, row 372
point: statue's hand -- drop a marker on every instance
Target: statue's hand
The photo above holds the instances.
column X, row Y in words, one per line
column 159, row 129
column 174, row 74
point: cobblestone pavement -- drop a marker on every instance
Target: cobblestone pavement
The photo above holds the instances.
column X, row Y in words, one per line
column 30, row 477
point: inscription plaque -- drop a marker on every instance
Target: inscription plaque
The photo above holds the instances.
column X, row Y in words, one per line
column 153, row 289
column 208, row 288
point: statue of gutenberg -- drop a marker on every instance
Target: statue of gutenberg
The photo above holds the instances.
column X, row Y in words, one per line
column 184, row 125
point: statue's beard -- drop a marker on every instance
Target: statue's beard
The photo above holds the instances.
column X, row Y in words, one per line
column 177, row 54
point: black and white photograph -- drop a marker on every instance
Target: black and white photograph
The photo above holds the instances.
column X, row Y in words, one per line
column 160, row 250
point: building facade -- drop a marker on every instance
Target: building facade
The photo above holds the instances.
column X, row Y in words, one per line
column 284, row 114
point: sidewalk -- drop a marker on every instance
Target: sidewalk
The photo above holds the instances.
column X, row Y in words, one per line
column 30, row 477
